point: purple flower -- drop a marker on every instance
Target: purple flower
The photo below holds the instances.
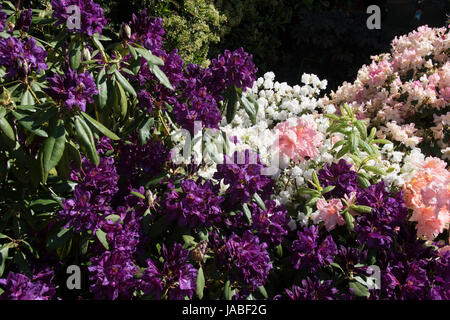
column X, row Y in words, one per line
column 72, row 89
column 21, row 57
column 308, row 253
column 151, row 282
column 2, row 19
column 92, row 19
column 379, row 227
column 145, row 101
column 91, row 196
column 19, row 287
column 177, row 274
column 136, row 159
column 243, row 175
column 200, row 107
column 233, row 69
column 197, row 205
column 147, row 31
column 112, row 276
column 24, row 21
column 246, row 258
column 341, row 176
column 313, row 289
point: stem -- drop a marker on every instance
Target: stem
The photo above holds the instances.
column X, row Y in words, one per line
column 163, row 122
column 34, row 94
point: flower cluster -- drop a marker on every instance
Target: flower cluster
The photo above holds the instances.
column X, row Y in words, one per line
column 72, row 89
column 406, row 90
column 21, row 58
column 92, row 19
column 20, row 287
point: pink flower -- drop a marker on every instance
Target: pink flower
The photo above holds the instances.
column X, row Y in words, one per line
column 329, row 213
column 298, row 139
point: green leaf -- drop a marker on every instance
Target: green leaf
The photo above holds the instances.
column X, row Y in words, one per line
column 364, row 182
column 120, row 100
column 27, row 99
column 86, row 139
column 57, row 240
column 339, row 143
column 366, row 147
column 232, row 100
column 247, row 213
column 145, row 131
column 75, row 55
column 311, row 192
column 259, row 201
column 328, row 189
column 263, row 292
column 248, row 109
column 381, row 141
column 54, row 146
column 3, row 257
column 375, row 170
column 100, row 127
column 228, row 293
column 26, row 121
column 101, row 236
column 364, row 209
column 373, row 131
column 343, row 151
column 151, row 59
column 359, row 290
column 353, row 139
column 137, row 194
column 63, row 166
column 133, row 52
column 97, row 43
column 7, row 130
column 161, row 76
column 102, row 87
column 361, row 128
column 125, row 84
column 349, row 220
column 200, row 283
column 334, row 264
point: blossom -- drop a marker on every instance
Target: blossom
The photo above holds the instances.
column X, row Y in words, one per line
column 243, row 179
column 196, row 205
column 24, row 21
column 2, row 19
column 298, row 139
column 147, row 31
column 341, row 177
column 17, row 286
column 92, row 19
column 428, row 193
column 233, row 68
column 72, row 89
column 21, row 57
column 247, row 258
column 112, row 276
column 313, row 289
column 329, row 213
column 308, row 253
column 271, row 224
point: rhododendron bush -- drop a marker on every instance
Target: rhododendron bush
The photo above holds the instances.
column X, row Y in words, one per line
column 160, row 179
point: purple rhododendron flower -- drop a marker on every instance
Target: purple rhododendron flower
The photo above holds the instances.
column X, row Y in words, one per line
column 246, row 258
column 91, row 17
column 308, row 253
column 2, row 19
column 197, row 205
column 341, row 176
column 72, row 89
column 21, row 57
column 24, row 21
column 233, row 68
column 147, row 31
column 17, row 286
column 91, row 196
column 112, row 276
column 313, row 289
column 243, row 175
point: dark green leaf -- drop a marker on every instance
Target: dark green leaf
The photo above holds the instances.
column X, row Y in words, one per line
column 124, row 83
column 100, row 127
column 161, row 76
column 200, row 283
column 359, row 290
column 86, row 139
column 101, row 236
column 75, row 55
column 3, row 257
column 102, row 89
column 54, row 146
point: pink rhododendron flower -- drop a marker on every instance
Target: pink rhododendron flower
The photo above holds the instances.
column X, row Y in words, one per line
column 329, row 213
column 428, row 194
column 298, row 139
